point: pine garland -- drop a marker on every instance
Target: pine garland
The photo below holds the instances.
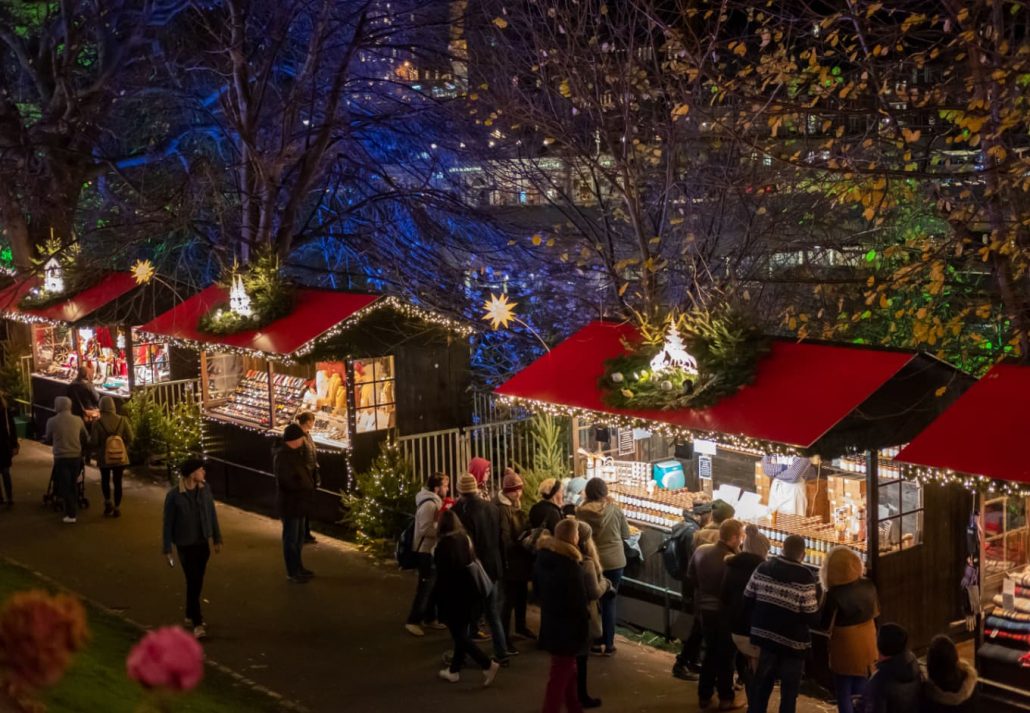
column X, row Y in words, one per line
column 271, row 298
column 726, row 342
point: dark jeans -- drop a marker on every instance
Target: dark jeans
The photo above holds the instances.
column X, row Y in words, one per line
column 424, row 607
column 772, row 666
column 465, row 646
column 514, row 601
column 690, row 655
column 66, row 472
column 608, row 607
column 720, row 654
column 105, row 483
column 581, row 677
column 293, row 541
column 847, row 688
column 193, row 559
column 492, row 611
column 5, row 473
column 561, row 686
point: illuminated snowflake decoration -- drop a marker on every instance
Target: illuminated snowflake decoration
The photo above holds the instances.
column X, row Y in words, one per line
column 143, row 271
column 499, row 311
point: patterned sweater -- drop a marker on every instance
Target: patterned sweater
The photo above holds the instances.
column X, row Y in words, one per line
column 782, row 600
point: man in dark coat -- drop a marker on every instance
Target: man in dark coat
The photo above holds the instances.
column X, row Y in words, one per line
column 517, row 560
column 481, row 520
column 296, row 489
column 688, row 660
column 564, row 623
column 83, row 395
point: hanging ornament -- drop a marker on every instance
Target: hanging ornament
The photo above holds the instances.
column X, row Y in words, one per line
column 618, row 378
column 499, row 311
column 53, row 277
column 143, row 271
column 666, row 385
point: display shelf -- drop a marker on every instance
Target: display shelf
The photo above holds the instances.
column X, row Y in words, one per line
column 249, row 400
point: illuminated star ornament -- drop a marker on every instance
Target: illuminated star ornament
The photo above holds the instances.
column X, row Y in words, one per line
column 499, row 311
column 143, row 271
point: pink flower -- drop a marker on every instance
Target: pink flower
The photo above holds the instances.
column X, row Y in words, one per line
column 167, row 658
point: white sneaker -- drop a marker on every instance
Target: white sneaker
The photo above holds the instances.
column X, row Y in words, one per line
column 414, row 629
column 446, row 675
column 199, row 632
column 436, row 625
column 491, row 673
column 69, row 520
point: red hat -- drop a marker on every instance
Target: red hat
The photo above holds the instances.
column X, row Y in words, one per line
column 478, row 468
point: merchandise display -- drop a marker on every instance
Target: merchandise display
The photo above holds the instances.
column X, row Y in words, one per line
column 249, row 400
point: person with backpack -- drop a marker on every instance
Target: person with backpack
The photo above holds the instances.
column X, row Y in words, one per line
column 110, row 440
column 676, row 554
column 296, row 490
column 428, row 504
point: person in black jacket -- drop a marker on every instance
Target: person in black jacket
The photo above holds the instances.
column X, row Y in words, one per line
column 296, row 489
column 8, row 448
column 895, row 687
column 481, row 520
column 517, row 562
column 688, row 660
column 546, row 512
column 564, row 624
column 739, row 569
column 951, row 684
column 459, row 600
column 85, row 400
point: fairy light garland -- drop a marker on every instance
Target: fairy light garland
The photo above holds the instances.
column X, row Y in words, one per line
column 944, row 476
column 742, row 443
column 25, row 318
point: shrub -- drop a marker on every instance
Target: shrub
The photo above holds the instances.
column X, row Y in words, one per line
column 385, row 497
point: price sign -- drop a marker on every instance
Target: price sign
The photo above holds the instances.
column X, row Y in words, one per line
column 626, row 443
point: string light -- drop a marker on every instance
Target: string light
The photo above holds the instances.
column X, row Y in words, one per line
column 969, row 481
column 736, row 442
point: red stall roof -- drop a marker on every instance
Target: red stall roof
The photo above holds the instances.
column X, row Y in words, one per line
column 800, row 391
column 315, row 312
column 77, row 307
column 984, row 432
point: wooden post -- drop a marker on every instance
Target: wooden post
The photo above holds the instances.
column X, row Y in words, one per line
column 577, row 459
column 205, row 392
column 872, row 516
column 130, row 358
column 271, row 394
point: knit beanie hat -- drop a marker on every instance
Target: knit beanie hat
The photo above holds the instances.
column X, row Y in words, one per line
column 293, row 432
column 467, row 484
column 755, row 542
column 722, row 510
column 891, row 640
column 511, row 482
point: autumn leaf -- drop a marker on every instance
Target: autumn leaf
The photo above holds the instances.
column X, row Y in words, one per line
column 564, row 89
column 500, row 22
column 537, row 239
column 941, row 391
column 911, row 136
column 680, row 110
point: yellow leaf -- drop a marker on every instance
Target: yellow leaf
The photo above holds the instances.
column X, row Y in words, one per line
column 537, row 239
column 680, row 110
column 869, row 213
column 940, row 392
column 500, row 22
column 622, row 290
column 564, row 89
column 910, row 135
column 740, row 50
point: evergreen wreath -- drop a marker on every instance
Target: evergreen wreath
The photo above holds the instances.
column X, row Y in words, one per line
column 271, row 298
column 725, row 341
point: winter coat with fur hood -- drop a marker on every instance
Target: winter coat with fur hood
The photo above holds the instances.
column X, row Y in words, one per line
column 610, row 531
column 850, row 609
column 964, row 698
column 558, row 582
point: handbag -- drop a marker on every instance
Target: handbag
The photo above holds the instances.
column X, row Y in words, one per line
column 594, row 624
column 481, row 579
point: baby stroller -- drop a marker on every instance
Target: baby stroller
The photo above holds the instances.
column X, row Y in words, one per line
column 53, row 499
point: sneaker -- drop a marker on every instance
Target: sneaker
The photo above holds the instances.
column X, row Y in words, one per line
column 731, row 704
column 480, row 636
column 435, row 625
column 199, row 632
column 446, row 675
column 414, row 629
column 310, row 540
column 306, row 573
column 683, row 673
column 491, row 673
column 108, row 509
column 511, row 651
column 609, row 651
column 69, row 520
column 297, row 579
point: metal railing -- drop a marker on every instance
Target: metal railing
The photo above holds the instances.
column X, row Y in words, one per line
column 487, row 408
column 449, row 451
column 168, row 393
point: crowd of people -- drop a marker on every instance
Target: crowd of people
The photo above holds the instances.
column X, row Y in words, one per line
column 753, row 614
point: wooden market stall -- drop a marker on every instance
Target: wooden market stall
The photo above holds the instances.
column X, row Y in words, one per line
column 977, row 444
column 94, row 328
column 806, row 448
column 367, row 365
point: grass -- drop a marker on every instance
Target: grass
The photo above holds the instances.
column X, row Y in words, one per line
column 96, row 681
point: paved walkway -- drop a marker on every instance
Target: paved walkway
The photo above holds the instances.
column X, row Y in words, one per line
column 336, row 644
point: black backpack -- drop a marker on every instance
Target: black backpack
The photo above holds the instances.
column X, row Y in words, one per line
column 405, row 551
column 677, row 549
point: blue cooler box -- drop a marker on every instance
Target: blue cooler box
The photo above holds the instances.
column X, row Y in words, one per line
column 669, row 475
